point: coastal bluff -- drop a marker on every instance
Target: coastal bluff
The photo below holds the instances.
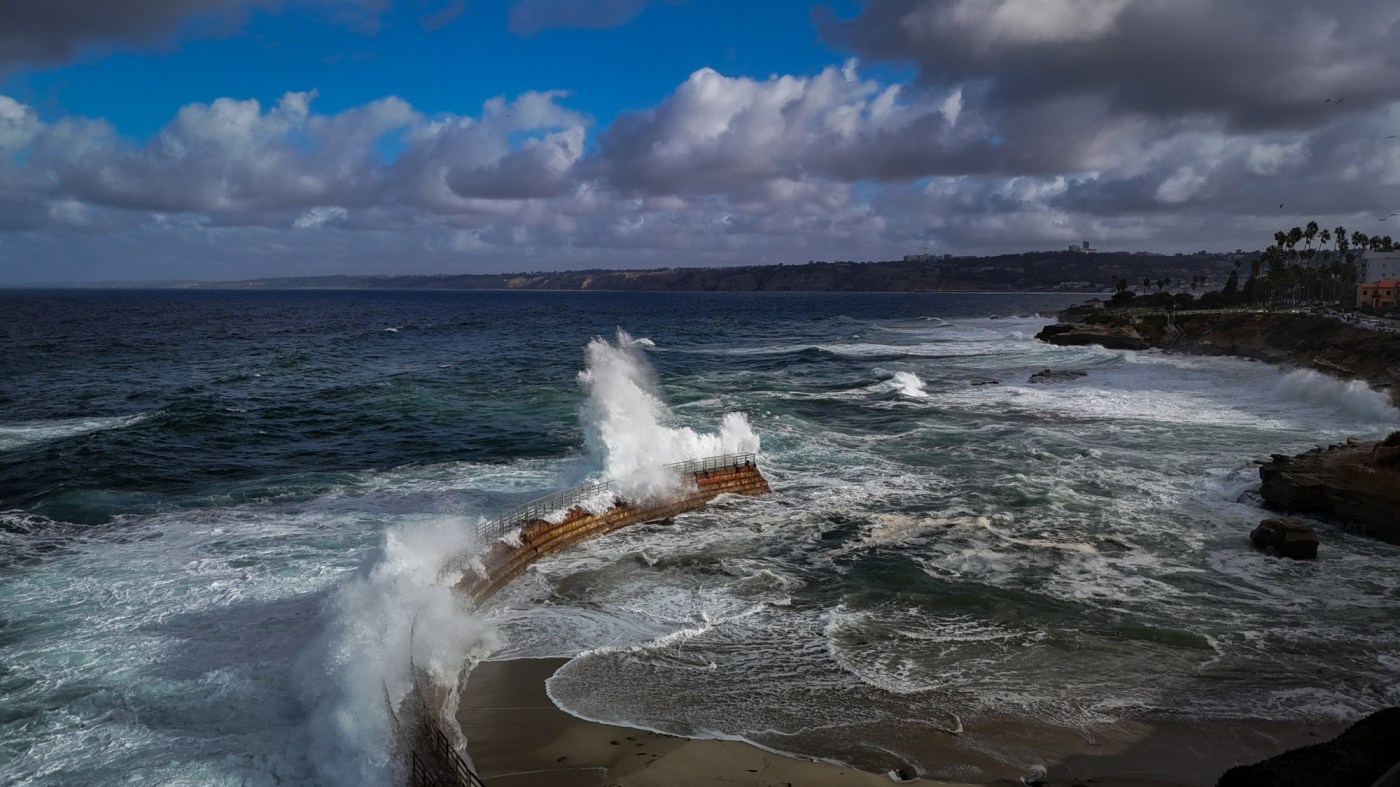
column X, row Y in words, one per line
column 1313, row 341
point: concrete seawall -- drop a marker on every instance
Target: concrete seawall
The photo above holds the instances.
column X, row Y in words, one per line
column 504, row 562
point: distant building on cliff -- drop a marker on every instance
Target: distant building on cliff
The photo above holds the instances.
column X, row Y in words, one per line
column 926, row 257
column 1377, row 265
column 1084, row 249
column 1379, row 295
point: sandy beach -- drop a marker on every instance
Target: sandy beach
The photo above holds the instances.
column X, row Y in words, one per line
column 518, row 738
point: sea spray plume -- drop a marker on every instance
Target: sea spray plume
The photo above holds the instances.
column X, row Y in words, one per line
column 394, row 611
column 1352, row 397
column 909, row 384
column 630, row 429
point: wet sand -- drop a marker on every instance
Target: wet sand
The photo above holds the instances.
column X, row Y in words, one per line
column 518, row 738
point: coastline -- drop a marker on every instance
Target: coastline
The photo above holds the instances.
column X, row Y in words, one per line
column 1309, row 341
column 518, row 738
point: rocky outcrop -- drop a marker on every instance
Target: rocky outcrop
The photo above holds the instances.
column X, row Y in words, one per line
column 1344, row 482
column 1286, row 537
column 1114, row 337
column 1056, row 375
column 1323, row 343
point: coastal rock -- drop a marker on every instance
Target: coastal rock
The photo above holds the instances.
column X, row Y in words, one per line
column 1056, row 375
column 1287, row 537
column 1352, row 482
column 1114, row 337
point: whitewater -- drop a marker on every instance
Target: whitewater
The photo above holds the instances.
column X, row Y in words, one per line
column 225, row 517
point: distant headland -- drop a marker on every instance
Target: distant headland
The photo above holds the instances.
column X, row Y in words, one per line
column 1042, row 271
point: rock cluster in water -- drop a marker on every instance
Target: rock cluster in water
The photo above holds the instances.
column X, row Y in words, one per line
column 1056, row 375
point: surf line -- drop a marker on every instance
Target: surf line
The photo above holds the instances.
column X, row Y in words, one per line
column 518, row 538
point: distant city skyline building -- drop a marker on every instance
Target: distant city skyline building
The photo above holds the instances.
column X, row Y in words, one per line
column 1085, row 248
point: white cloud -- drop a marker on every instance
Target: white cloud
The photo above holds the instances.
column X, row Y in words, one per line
column 1182, row 185
column 990, row 23
column 321, row 216
column 19, row 124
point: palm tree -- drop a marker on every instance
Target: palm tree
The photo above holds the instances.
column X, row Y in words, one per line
column 1294, row 236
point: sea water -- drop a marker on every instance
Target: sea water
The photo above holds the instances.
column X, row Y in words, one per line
column 224, row 518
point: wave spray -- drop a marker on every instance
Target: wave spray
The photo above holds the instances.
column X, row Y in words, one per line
column 394, row 615
column 632, row 432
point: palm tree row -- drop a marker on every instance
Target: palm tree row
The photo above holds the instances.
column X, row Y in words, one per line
column 1296, row 275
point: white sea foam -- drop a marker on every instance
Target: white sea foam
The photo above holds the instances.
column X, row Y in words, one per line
column 631, row 430
column 27, row 432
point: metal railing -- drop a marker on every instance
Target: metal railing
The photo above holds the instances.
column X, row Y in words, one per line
column 447, row 754
column 566, row 499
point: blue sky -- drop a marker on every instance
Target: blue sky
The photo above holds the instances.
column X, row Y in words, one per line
column 227, row 139
column 451, row 69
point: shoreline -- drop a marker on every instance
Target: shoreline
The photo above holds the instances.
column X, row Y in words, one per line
column 1306, row 341
column 517, row 737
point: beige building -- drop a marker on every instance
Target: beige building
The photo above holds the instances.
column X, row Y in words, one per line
column 1379, row 295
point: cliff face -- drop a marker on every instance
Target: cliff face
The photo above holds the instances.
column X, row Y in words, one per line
column 1328, row 345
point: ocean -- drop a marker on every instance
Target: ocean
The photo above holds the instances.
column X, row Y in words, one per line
column 224, row 516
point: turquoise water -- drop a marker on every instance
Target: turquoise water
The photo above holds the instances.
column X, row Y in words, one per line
column 223, row 516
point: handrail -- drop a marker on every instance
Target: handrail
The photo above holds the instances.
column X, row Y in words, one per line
column 567, row 499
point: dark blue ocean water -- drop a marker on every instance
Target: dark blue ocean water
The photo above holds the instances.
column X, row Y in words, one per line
column 221, row 511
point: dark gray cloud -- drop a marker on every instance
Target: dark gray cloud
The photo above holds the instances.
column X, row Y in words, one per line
column 48, row 31
column 1252, row 65
column 528, row 17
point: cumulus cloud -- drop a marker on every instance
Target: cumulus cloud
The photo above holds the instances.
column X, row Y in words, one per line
column 717, row 133
column 1133, row 123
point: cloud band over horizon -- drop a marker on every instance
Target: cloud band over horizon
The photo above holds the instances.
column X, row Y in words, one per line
column 1141, row 124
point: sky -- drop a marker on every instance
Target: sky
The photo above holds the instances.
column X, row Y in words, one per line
column 232, row 139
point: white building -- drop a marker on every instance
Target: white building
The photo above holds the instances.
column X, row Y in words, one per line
column 1377, row 265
